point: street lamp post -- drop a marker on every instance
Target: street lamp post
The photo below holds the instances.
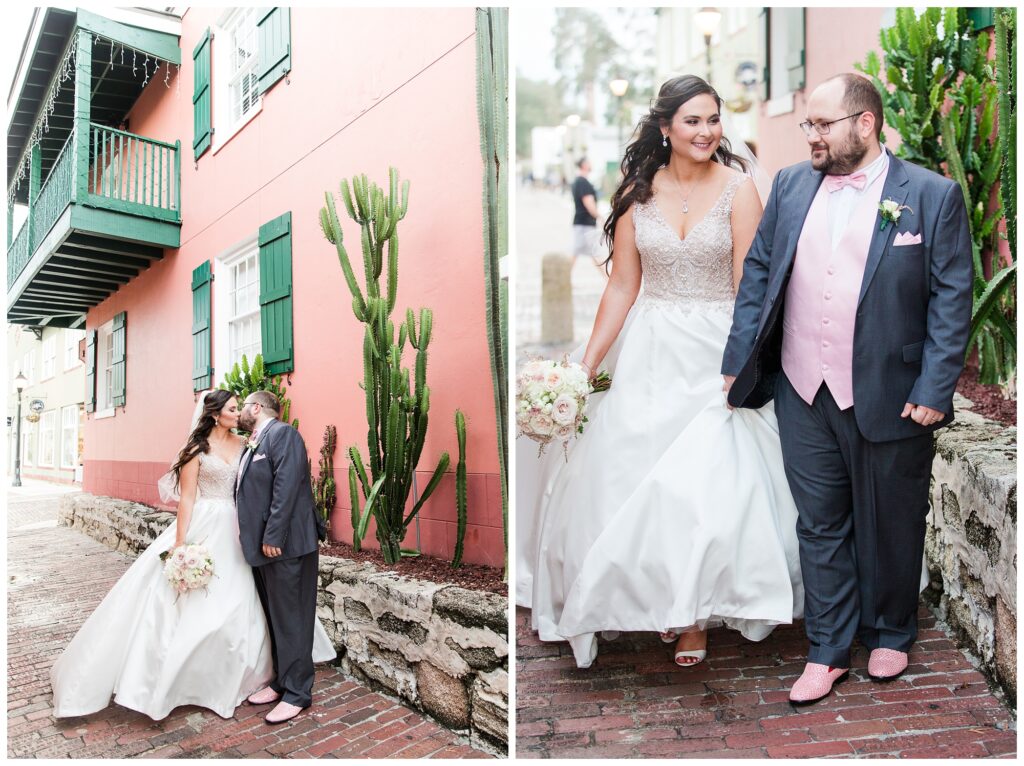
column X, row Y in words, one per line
column 707, row 20
column 19, row 385
column 619, row 86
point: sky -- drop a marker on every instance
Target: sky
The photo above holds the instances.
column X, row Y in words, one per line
column 533, row 43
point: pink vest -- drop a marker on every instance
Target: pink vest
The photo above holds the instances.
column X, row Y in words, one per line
column 821, row 299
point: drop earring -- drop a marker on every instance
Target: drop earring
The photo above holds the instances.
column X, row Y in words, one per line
column 664, row 140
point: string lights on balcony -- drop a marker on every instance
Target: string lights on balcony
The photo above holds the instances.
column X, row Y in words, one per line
column 66, row 72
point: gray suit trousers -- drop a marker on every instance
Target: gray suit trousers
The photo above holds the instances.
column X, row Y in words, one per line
column 287, row 590
column 861, row 525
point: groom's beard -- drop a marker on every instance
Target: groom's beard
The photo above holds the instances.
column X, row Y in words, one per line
column 245, row 423
column 843, row 159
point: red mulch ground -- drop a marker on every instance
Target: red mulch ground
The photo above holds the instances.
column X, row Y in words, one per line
column 988, row 400
column 469, row 576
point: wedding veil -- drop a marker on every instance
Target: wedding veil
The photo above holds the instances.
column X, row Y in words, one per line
column 762, row 181
column 167, row 484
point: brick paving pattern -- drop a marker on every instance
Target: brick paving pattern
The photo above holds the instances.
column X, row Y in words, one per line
column 635, row 703
column 57, row 576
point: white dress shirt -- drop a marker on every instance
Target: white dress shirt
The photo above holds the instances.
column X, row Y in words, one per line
column 842, row 203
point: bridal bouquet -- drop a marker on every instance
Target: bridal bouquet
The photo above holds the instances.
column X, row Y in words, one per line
column 190, row 567
column 551, row 400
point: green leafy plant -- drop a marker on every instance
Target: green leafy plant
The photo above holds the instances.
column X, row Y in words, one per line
column 325, row 490
column 397, row 404
column 245, row 379
column 940, row 95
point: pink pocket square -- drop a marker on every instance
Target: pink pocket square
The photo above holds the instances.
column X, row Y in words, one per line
column 906, row 238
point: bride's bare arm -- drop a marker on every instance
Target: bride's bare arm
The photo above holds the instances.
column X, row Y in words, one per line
column 189, row 481
column 619, row 294
column 746, row 215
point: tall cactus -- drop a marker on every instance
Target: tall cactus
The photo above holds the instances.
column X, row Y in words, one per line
column 396, row 407
column 492, row 115
column 460, row 489
column 1006, row 83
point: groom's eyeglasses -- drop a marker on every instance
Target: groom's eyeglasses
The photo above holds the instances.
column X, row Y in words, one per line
column 822, row 128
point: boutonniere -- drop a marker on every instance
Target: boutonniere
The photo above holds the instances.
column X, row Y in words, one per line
column 251, row 445
column 891, row 211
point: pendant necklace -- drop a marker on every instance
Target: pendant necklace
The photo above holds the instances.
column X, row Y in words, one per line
column 679, row 189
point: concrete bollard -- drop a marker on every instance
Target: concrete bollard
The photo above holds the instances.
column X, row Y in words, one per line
column 556, row 299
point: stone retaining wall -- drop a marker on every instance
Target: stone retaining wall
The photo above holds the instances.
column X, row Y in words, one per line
column 971, row 539
column 439, row 648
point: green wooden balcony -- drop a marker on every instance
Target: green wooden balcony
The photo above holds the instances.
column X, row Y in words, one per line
column 103, row 204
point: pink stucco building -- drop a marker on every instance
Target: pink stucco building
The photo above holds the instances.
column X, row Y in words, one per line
column 222, row 157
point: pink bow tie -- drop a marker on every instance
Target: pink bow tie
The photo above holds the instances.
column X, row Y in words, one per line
column 856, row 180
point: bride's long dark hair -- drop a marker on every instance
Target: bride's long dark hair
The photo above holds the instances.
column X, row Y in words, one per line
column 645, row 154
column 199, row 439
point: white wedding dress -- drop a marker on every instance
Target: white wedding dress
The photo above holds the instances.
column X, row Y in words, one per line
column 671, row 510
column 153, row 650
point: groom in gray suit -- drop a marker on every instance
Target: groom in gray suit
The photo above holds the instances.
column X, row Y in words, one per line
column 278, row 528
column 853, row 314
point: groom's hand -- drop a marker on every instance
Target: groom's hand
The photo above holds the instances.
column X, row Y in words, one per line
column 924, row 416
column 271, row 552
column 729, row 380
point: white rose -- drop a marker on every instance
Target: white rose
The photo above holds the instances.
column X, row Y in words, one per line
column 523, row 417
column 541, row 425
column 564, row 410
column 577, row 374
column 533, row 368
column 553, row 378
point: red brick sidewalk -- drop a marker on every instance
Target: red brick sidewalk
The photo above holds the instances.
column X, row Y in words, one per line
column 634, row 702
column 57, row 576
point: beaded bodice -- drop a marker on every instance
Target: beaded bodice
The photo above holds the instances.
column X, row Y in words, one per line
column 698, row 268
column 217, row 478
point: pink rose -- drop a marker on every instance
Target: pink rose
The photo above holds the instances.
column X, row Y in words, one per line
column 564, row 410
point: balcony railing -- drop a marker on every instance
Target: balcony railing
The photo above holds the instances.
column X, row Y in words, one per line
column 127, row 174
column 132, row 174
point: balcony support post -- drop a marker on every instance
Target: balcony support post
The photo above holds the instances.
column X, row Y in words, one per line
column 83, row 108
column 35, row 181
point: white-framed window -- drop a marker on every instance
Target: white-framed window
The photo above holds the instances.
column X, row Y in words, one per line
column 69, row 417
column 49, row 357
column 237, row 301
column 28, row 366
column 28, row 442
column 236, row 82
column 786, row 57
column 71, row 340
column 47, row 438
column 105, row 370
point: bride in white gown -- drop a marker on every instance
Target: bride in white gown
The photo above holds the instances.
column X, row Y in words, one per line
column 672, row 512
column 153, row 650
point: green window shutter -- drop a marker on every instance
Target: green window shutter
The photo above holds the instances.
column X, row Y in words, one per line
column 766, row 37
column 796, row 58
column 201, row 115
column 275, row 30
column 90, row 371
column 202, row 367
column 276, row 294
column 981, row 18
column 118, row 339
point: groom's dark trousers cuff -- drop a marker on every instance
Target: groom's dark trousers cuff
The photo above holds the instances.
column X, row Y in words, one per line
column 861, row 525
column 288, row 590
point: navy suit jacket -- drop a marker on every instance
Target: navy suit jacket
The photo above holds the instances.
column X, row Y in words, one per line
column 274, row 497
column 914, row 311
